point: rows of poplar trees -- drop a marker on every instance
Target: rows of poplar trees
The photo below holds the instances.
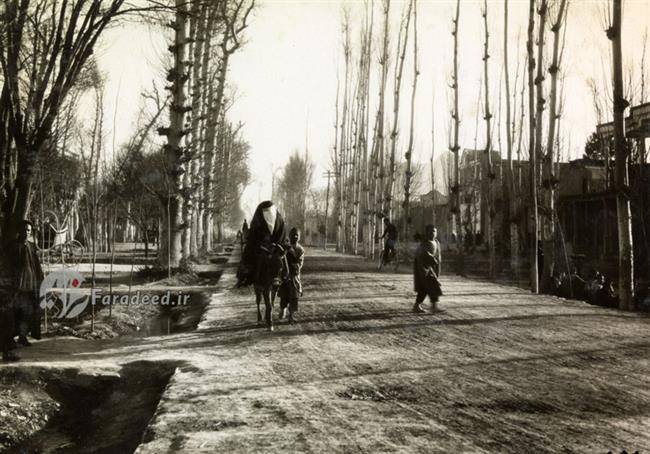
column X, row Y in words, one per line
column 199, row 138
column 366, row 143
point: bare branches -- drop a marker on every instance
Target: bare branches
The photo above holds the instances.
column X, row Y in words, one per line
column 409, row 151
column 399, row 67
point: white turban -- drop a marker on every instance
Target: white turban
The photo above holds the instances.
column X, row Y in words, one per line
column 270, row 214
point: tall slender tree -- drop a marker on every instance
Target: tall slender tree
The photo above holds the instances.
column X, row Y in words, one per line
column 402, row 43
column 408, row 176
column 532, row 155
column 553, row 115
column 624, row 216
column 378, row 145
column 175, row 154
column 489, row 174
column 509, row 197
column 455, row 147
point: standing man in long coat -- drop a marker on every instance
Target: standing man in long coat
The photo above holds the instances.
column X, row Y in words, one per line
column 426, row 270
column 267, row 228
column 28, row 278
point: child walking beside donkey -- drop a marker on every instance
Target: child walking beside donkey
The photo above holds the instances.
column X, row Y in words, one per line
column 291, row 289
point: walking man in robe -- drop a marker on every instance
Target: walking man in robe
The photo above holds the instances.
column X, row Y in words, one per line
column 426, row 270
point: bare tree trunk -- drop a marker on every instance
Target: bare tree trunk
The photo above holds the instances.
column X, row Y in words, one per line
column 456, row 147
column 509, row 197
column 343, row 138
column 379, row 139
column 206, row 130
column 534, row 276
column 208, row 146
column 170, row 252
column 643, row 199
column 335, row 158
column 553, row 113
column 361, row 135
column 381, row 131
column 409, row 174
column 399, row 66
column 625, row 250
column 188, row 177
column 520, row 135
column 364, row 187
column 431, row 162
column 214, row 152
column 200, row 46
column 489, row 178
column 539, row 118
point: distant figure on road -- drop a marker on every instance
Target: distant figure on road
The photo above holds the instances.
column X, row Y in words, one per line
column 390, row 233
column 267, row 228
column 240, row 239
column 291, row 289
column 244, row 231
column 242, row 235
column 28, row 278
column 426, row 270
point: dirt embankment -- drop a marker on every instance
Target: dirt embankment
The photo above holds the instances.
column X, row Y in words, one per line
column 63, row 411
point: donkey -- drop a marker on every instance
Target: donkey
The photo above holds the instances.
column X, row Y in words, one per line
column 272, row 271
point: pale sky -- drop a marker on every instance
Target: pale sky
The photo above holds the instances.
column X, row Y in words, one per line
column 285, row 76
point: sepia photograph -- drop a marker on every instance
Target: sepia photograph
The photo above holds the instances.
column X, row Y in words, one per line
column 324, row 226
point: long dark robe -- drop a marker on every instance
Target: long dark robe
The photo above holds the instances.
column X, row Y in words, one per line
column 259, row 235
column 28, row 271
column 426, row 268
column 291, row 288
column 28, row 278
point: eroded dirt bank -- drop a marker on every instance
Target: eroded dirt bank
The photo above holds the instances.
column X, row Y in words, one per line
column 68, row 411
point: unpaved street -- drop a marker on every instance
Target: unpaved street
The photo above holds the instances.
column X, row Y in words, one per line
column 500, row 370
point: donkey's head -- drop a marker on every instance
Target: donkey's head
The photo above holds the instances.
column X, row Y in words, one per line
column 273, row 266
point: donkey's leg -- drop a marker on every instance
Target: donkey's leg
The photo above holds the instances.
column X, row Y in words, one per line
column 274, row 293
column 269, row 308
column 258, row 298
column 293, row 307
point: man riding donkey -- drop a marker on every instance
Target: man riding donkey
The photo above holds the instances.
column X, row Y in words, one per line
column 263, row 257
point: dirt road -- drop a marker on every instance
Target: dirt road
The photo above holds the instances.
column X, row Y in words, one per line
column 500, row 370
